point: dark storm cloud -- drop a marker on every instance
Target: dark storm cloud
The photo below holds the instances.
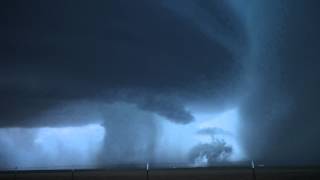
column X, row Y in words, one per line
column 116, row 62
column 56, row 52
column 165, row 107
column 281, row 113
column 209, row 16
column 78, row 58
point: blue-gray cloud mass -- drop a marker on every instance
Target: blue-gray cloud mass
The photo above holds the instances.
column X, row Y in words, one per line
column 75, row 60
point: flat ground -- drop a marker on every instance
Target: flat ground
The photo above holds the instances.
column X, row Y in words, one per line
column 226, row 173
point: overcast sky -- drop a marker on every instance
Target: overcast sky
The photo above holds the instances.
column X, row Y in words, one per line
column 132, row 65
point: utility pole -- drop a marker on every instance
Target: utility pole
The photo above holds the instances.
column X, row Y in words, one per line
column 147, row 169
column 253, row 170
column 15, row 172
column 72, row 174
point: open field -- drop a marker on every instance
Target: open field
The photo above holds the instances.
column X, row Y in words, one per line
column 223, row 173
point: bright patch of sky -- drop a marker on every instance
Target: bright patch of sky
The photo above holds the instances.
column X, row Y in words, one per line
column 54, row 148
column 178, row 139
